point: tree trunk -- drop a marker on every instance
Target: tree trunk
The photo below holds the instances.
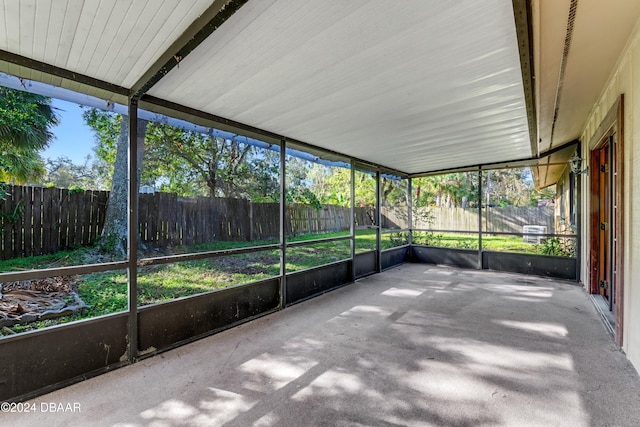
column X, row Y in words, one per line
column 114, row 233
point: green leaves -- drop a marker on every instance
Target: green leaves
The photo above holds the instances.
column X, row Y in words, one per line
column 304, row 196
column 25, row 129
column 189, row 163
column 25, row 120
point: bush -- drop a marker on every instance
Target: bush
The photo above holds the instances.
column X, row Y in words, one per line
column 558, row 246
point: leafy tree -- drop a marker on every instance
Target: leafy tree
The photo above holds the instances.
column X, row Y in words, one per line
column 112, row 136
column 365, row 189
column 19, row 166
column 114, row 233
column 331, row 185
column 106, row 126
column 26, row 120
column 394, row 192
column 265, row 181
column 504, row 187
column 548, row 193
column 183, row 157
column 62, row 172
column 190, row 163
column 447, row 190
column 509, row 187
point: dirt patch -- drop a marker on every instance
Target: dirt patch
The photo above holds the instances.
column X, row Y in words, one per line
column 33, row 300
column 243, row 264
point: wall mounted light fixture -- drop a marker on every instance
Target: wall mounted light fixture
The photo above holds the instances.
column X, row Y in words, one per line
column 575, row 162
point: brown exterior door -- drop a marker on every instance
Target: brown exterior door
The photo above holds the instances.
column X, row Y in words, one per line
column 602, row 220
column 604, row 236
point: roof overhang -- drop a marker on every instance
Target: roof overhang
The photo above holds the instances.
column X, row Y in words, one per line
column 552, row 165
column 577, row 45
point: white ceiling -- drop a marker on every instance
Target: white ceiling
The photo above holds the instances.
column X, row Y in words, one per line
column 416, row 86
column 424, row 86
column 113, row 41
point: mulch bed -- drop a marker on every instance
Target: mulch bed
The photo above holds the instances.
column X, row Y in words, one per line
column 29, row 301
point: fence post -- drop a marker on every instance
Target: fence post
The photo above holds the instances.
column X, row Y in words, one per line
column 251, row 231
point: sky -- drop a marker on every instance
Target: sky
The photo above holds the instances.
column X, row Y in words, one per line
column 73, row 138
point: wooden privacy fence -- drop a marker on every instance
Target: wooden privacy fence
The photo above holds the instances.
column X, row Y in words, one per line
column 505, row 220
column 39, row 220
column 166, row 219
column 303, row 219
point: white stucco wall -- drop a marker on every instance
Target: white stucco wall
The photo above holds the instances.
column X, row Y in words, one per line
column 625, row 79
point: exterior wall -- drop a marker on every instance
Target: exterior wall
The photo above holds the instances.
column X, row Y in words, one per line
column 625, row 79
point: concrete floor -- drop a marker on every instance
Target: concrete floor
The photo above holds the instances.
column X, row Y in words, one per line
column 418, row 345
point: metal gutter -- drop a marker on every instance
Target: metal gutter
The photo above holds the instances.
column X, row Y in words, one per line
column 522, row 15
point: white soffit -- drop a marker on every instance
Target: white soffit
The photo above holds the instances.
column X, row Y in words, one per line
column 600, row 31
column 116, row 41
column 415, row 85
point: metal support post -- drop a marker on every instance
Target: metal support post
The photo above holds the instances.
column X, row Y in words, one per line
column 578, row 212
column 283, row 219
column 378, row 223
column 352, row 188
column 410, row 212
column 132, row 230
column 479, row 219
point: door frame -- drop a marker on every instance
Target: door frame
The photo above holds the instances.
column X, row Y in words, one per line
column 612, row 124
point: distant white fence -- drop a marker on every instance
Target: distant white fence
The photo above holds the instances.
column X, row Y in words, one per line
column 494, row 219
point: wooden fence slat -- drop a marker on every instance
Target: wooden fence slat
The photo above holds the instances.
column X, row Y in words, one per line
column 58, row 237
column 78, row 214
column 18, row 222
column 63, row 238
column 72, row 208
column 47, row 220
column 5, row 209
column 27, row 222
column 153, row 221
column 98, row 201
column 37, row 220
column 85, row 217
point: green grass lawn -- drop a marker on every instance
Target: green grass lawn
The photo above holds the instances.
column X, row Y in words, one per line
column 499, row 243
column 106, row 292
column 489, row 243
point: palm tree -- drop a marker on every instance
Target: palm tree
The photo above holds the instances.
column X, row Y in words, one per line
column 26, row 120
column 18, row 166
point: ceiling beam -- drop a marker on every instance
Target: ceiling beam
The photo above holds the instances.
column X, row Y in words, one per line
column 559, row 148
column 52, row 70
column 532, row 161
column 519, row 163
column 205, row 25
